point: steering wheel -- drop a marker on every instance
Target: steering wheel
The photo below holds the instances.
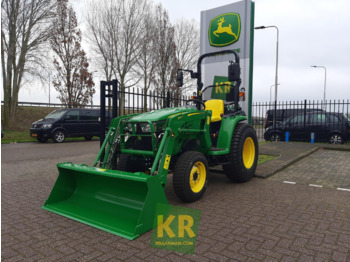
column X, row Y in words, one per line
column 197, row 101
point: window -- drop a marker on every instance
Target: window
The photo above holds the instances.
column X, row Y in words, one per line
column 333, row 119
column 317, row 118
column 297, row 120
column 57, row 114
column 90, row 115
column 73, row 115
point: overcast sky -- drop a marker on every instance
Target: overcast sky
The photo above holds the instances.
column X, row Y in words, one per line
column 312, row 32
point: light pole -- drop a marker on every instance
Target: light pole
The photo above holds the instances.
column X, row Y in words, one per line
column 325, row 81
column 271, row 93
column 49, row 90
column 276, row 75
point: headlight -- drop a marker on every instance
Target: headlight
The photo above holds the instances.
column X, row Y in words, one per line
column 145, row 127
column 46, row 126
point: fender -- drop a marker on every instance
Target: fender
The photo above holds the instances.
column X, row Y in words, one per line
column 228, row 125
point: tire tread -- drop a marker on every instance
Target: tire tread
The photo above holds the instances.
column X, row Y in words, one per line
column 181, row 179
column 236, row 171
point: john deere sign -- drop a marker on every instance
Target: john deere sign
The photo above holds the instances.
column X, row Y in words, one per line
column 224, row 29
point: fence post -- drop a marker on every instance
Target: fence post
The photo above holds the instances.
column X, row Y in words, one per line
column 112, row 96
column 168, row 99
column 305, row 103
column 102, row 112
column 115, row 98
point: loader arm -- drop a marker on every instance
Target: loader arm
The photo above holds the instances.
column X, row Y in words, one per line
column 111, row 143
column 176, row 134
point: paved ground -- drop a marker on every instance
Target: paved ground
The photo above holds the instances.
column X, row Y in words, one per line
column 286, row 154
column 263, row 220
column 324, row 168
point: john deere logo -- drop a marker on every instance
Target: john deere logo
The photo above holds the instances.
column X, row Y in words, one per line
column 224, row 29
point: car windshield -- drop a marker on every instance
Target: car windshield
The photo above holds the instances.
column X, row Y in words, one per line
column 286, row 121
column 346, row 117
column 57, row 114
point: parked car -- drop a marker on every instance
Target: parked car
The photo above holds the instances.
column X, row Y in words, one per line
column 283, row 114
column 326, row 126
column 63, row 123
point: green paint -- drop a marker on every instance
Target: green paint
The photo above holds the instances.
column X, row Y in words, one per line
column 224, row 29
column 251, row 56
column 118, row 202
column 220, row 90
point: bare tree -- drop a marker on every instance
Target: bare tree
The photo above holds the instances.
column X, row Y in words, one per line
column 120, row 21
column 100, row 26
column 167, row 65
column 24, row 34
column 147, row 60
column 73, row 80
column 187, row 39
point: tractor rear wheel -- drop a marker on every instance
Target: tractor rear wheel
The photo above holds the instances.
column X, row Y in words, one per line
column 243, row 156
column 190, row 176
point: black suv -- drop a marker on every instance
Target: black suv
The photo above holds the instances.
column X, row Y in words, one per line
column 326, row 126
column 283, row 114
column 63, row 123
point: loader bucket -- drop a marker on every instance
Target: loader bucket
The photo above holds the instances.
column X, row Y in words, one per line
column 118, row 202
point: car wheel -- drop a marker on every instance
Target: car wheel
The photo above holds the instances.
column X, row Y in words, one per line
column 59, row 136
column 336, row 139
column 275, row 137
column 88, row 138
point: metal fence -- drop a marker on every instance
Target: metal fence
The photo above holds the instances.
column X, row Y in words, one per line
column 135, row 101
column 263, row 112
column 39, row 104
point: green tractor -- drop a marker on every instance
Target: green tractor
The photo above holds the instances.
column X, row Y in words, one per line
column 120, row 193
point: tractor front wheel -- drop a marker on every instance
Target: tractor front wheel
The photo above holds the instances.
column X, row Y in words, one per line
column 190, row 176
column 243, row 156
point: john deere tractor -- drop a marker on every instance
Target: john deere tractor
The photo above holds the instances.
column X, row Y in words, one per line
column 120, row 193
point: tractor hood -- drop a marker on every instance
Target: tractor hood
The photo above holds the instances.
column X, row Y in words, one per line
column 162, row 114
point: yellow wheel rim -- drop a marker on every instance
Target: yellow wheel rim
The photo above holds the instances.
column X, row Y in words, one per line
column 198, row 177
column 248, row 152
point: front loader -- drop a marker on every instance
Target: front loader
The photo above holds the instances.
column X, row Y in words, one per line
column 120, row 193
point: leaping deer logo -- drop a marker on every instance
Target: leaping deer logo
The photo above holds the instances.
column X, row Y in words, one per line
column 224, row 29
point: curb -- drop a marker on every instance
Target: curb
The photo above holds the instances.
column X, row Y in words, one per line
column 285, row 164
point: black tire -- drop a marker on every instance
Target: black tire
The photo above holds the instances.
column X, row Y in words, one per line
column 243, row 156
column 190, row 176
column 131, row 164
column 42, row 140
column 336, row 139
column 59, row 136
column 88, row 138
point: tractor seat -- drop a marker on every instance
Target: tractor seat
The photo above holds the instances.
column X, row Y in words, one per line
column 216, row 106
